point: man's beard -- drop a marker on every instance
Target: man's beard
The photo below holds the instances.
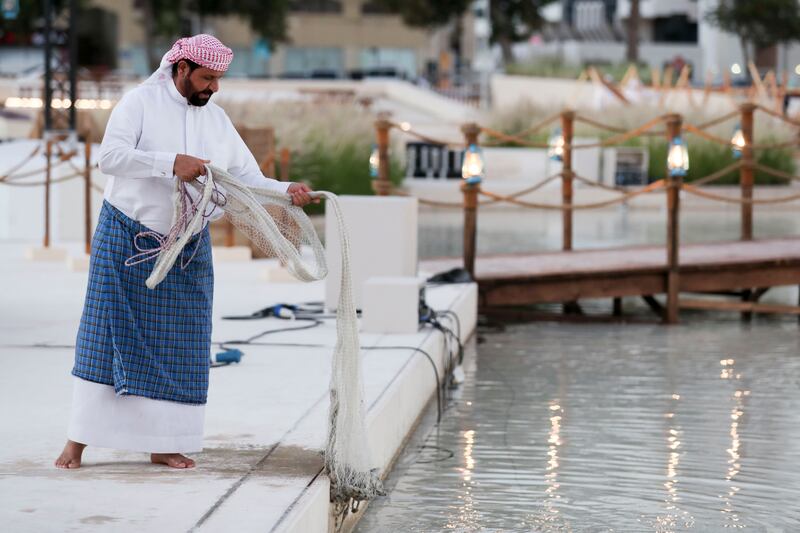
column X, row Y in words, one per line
column 194, row 96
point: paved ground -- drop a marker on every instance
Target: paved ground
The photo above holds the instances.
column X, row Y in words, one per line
column 265, row 420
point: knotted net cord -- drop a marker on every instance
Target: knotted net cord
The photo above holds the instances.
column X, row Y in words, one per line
column 282, row 230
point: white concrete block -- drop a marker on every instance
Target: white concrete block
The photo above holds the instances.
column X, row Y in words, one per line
column 232, row 253
column 383, row 242
column 46, row 254
column 79, row 263
column 391, row 305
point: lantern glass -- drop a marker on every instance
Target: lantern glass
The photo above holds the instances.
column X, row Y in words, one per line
column 473, row 165
column 555, row 150
column 374, row 161
column 737, row 141
column 678, row 158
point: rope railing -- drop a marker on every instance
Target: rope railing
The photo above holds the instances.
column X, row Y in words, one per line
column 53, row 181
column 656, row 185
column 718, row 174
column 622, row 137
column 691, row 189
column 777, row 115
column 426, row 138
column 598, row 185
column 460, row 205
column 718, row 120
column 775, row 172
column 505, row 137
column 15, row 168
column 529, row 131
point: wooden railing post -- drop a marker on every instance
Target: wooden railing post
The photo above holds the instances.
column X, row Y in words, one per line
column 382, row 186
column 285, row 164
column 567, row 120
column 47, row 177
column 674, row 122
column 87, row 193
column 746, row 170
column 470, row 191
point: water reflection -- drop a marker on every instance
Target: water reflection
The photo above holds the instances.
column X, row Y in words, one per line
column 563, row 427
column 733, row 519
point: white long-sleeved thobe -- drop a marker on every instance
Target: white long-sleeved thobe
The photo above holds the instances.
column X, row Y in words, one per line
column 147, row 129
column 151, row 125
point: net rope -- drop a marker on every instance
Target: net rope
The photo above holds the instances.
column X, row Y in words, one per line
column 283, row 231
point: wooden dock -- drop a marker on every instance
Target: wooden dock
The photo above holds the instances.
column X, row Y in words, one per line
column 745, row 269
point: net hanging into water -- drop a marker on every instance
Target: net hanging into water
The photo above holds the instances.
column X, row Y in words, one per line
column 281, row 230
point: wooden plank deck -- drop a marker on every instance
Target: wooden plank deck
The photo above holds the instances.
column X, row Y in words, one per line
column 519, row 279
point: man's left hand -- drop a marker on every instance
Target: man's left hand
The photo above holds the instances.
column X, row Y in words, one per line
column 300, row 194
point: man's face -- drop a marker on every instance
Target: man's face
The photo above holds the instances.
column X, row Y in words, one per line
column 199, row 84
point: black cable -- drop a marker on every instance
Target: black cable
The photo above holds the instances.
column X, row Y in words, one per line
column 370, row 348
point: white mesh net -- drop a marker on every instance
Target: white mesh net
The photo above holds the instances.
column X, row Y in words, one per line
column 281, row 230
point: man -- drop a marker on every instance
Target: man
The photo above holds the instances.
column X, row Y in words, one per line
column 142, row 355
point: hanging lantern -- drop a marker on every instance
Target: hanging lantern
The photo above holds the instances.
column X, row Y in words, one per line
column 555, row 150
column 374, row 161
column 473, row 165
column 737, row 141
column 678, row 158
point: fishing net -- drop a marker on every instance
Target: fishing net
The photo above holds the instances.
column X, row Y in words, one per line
column 284, row 231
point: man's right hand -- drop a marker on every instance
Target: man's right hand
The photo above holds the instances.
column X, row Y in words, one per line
column 188, row 168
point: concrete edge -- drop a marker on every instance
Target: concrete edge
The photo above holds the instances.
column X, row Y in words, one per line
column 391, row 421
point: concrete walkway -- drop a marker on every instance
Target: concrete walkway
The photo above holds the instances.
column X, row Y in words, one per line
column 265, row 419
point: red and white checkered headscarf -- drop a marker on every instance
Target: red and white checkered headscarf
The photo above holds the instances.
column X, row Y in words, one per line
column 205, row 50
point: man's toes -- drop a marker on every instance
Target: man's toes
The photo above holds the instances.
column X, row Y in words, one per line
column 176, row 462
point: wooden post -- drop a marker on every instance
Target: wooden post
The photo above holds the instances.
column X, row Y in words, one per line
column 746, row 171
column 87, row 193
column 567, row 119
column 48, row 167
column 470, row 191
column 285, row 164
column 382, row 186
column 270, row 152
column 673, row 234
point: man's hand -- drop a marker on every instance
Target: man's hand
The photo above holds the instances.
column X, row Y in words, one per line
column 188, row 168
column 299, row 193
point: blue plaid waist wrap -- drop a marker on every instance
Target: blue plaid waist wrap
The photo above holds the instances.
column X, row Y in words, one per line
column 145, row 342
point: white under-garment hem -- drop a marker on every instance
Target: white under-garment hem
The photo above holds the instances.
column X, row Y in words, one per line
column 101, row 418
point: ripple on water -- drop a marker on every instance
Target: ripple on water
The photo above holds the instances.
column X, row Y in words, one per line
column 611, row 428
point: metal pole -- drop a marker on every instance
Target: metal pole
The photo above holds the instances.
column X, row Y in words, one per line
column 48, row 168
column 48, row 59
column 470, row 191
column 73, row 63
column 673, row 234
column 87, row 178
column 567, row 118
column 383, row 185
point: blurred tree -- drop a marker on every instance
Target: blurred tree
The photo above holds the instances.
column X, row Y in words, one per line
column 758, row 23
column 515, row 21
column 512, row 20
column 167, row 18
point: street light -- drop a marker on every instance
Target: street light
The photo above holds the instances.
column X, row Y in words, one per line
column 555, row 150
column 473, row 165
column 678, row 158
column 737, row 141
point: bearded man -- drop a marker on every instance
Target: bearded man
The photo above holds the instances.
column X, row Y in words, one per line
column 142, row 356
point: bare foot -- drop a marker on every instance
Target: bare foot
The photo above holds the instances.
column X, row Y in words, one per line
column 175, row 460
column 71, row 456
